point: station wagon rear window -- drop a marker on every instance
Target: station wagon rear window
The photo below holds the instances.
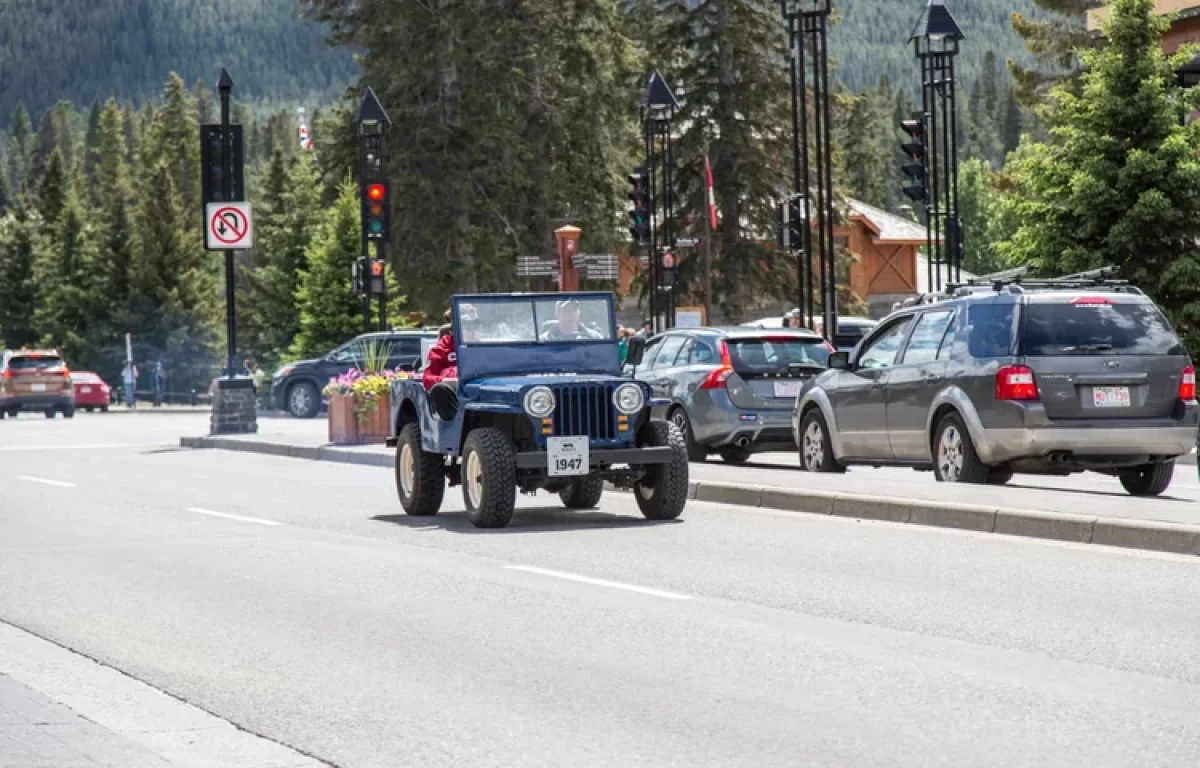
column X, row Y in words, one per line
column 775, row 354
column 1096, row 326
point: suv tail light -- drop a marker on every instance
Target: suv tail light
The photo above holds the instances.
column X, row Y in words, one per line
column 716, row 379
column 1016, row 382
column 1187, row 384
column 7, row 374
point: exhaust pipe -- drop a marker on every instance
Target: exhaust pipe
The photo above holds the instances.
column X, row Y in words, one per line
column 742, row 442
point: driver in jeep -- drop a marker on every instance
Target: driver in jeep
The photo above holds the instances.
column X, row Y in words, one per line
column 565, row 326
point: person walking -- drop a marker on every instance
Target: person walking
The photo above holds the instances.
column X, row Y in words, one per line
column 160, row 383
column 130, row 375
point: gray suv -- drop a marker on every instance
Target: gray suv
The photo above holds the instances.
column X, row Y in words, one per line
column 731, row 390
column 1045, row 378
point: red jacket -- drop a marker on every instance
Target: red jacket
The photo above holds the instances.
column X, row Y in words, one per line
column 443, row 362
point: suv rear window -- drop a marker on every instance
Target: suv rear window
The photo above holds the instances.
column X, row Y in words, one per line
column 33, row 362
column 1080, row 328
column 774, row 354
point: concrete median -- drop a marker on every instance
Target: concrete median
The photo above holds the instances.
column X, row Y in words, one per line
column 1114, row 532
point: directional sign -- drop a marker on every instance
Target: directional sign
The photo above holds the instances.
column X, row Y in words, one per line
column 228, row 226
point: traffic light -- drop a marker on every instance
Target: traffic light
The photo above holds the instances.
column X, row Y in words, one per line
column 783, row 229
column 640, row 210
column 796, row 221
column 668, row 269
column 357, row 270
column 375, row 279
column 915, row 186
column 376, row 211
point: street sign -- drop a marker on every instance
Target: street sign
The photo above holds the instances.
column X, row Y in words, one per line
column 228, row 226
column 536, row 266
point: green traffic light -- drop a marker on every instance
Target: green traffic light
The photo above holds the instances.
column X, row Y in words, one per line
column 376, row 226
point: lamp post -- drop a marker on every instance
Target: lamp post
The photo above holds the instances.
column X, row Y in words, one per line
column 658, row 109
column 807, row 27
column 935, row 40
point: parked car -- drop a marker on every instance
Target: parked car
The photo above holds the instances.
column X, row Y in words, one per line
column 730, row 390
column 36, row 380
column 539, row 404
column 850, row 330
column 90, row 391
column 297, row 386
column 1051, row 378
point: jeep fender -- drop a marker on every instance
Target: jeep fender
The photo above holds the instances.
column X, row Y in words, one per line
column 818, row 398
column 952, row 397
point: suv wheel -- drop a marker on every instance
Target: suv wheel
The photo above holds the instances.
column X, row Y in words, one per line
column 1148, row 479
column 303, row 401
column 816, row 449
column 954, row 457
column 734, row 455
column 695, row 451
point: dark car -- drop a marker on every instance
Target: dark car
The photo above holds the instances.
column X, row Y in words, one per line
column 1043, row 378
column 731, row 390
column 297, row 386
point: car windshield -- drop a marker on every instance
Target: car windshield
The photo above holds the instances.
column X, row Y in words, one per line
column 536, row 320
column 1099, row 326
column 34, row 362
column 775, row 354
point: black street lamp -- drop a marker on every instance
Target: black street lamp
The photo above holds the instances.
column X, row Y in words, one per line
column 935, row 40
column 807, row 25
column 658, row 109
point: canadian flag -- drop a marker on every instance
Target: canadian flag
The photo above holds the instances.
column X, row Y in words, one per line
column 712, row 200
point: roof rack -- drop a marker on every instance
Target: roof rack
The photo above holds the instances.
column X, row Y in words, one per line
column 1014, row 281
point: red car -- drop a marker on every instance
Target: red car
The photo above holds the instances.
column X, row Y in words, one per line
column 90, row 391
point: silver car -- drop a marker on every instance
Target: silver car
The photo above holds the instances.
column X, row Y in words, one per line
column 731, row 389
column 1053, row 380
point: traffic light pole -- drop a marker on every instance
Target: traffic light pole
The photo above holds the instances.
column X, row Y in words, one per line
column 371, row 125
column 225, row 87
column 658, row 108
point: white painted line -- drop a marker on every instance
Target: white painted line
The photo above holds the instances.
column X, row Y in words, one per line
column 93, row 447
column 44, row 481
column 599, row 582
column 228, row 516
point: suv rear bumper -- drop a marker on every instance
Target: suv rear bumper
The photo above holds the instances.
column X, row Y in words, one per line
column 1002, row 445
column 38, row 402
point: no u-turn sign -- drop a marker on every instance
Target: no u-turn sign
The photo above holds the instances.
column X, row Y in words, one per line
column 228, row 226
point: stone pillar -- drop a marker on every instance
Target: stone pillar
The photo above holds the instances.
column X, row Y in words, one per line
column 234, row 409
column 567, row 239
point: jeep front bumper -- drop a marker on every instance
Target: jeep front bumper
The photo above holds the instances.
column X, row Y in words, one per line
column 608, row 456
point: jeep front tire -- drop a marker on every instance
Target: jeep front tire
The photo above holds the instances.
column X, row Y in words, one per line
column 662, row 491
column 420, row 476
column 489, row 478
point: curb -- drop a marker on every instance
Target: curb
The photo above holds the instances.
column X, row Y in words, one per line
column 1176, row 538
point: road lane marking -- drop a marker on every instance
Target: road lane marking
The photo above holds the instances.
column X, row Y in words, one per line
column 45, row 481
column 599, row 582
column 91, row 447
column 228, row 516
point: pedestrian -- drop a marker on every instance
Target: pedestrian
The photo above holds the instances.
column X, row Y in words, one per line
column 160, row 383
column 130, row 375
column 646, row 331
column 623, row 343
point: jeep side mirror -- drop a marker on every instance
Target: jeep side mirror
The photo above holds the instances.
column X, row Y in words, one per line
column 839, row 361
column 637, row 348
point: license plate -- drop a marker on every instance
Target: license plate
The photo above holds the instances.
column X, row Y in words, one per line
column 38, row 387
column 567, row 456
column 1110, row 397
column 85, row 390
column 788, row 388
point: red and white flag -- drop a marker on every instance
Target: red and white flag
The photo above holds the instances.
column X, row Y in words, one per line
column 712, row 200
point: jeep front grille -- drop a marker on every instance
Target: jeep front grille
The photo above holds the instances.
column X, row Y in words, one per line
column 586, row 409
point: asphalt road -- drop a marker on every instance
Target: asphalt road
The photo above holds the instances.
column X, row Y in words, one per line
column 294, row 599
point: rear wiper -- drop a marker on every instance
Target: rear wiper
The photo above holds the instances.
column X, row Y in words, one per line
column 1088, row 348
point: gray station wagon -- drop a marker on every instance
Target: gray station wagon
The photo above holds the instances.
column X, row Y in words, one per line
column 1044, row 378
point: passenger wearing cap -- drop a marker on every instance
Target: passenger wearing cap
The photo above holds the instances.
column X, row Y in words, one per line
column 566, row 325
column 443, row 357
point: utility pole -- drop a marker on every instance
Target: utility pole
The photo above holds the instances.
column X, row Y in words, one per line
column 658, row 108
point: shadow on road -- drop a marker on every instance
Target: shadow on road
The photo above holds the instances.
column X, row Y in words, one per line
column 529, row 520
column 1084, row 491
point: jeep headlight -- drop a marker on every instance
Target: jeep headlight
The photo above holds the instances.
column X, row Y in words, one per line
column 539, row 402
column 629, row 398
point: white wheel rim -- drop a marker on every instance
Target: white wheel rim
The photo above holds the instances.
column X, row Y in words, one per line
column 814, row 447
column 300, row 399
column 407, row 470
column 473, row 482
column 950, row 454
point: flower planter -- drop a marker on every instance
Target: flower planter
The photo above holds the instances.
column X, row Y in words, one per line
column 343, row 426
column 373, row 428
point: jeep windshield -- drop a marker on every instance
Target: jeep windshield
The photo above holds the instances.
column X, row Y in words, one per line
column 522, row 320
column 1096, row 326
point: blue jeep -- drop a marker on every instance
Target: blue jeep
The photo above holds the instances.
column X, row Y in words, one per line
column 539, row 403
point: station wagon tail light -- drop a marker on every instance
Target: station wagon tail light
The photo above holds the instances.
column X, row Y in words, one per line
column 1187, row 384
column 716, row 379
column 1016, row 382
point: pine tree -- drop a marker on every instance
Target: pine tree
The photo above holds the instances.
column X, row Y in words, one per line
column 65, row 275
column 1011, row 132
column 1116, row 184
column 205, row 107
column 20, row 133
column 54, row 188
column 22, row 240
column 118, row 239
column 1053, row 37
column 330, row 313
column 990, row 86
column 864, row 166
column 44, row 144
column 91, row 142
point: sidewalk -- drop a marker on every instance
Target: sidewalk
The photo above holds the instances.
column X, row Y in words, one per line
column 1083, row 508
column 61, row 710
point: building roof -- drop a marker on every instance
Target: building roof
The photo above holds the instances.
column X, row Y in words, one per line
column 887, row 227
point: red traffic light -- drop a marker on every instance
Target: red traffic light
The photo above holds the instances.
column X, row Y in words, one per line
column 376, row 268
column 668, row 260
column 375, row 192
